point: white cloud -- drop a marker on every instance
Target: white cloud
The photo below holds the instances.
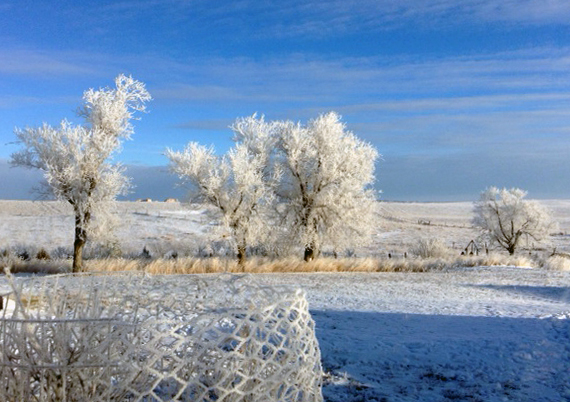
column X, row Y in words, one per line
column 40, row 63
column 15, row 101
column 538, row 73
column 466, row 104
column 319, row 18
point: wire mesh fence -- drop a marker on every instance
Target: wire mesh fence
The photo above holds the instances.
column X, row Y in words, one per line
column 131, row 337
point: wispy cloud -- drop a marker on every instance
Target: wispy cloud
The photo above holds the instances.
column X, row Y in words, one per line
column 509, row 102
column 38, row 62
column 15, row 101
column 466, row 104
column 183, row 92
column 441, row 106
column 340, row 17
column 492, row 81
column 534, row 75
column 320, row 18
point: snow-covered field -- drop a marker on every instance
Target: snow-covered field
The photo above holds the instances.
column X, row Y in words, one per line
column 159, row 226
column 164, row 227
column 483, row 334
column 479, row 334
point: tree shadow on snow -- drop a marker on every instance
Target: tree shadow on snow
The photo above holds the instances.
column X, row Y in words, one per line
column 411, row 357
column 552, row 293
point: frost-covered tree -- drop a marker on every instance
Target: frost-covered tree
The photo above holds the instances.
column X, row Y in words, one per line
column 239, row 184
column 505, row 216
column 325, row 188
column 75, row 159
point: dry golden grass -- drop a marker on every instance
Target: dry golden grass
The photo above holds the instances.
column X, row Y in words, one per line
column 217, row 265
column 292, row 265
column 189, row 265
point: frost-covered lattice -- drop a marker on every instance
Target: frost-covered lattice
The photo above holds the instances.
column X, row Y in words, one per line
column 139, row 338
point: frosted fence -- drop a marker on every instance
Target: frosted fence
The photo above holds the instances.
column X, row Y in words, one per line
column 131, row 337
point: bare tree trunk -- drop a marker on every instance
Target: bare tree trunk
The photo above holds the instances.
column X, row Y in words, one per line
column 78, row 251
column 241, row 255
column 310, row 253
column 80, row 239
column 511, row 248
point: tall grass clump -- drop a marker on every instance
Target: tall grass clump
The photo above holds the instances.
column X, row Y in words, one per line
column 430, row 248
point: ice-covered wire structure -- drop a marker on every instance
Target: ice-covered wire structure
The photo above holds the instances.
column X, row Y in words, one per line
column 131, row 337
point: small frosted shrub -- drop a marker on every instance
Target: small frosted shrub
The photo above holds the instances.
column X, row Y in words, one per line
column 42, row 254
column 24, row 255
column 430, row 248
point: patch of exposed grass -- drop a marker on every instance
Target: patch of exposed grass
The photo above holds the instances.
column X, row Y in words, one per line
column 190, row 265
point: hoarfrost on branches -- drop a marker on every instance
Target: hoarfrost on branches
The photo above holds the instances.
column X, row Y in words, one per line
column 327, row 174
column 75, row 159
column 239, row 183
column 315, row 178
column 505, row 217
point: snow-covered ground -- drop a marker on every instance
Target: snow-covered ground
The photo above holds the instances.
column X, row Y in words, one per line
column 480, row 334
column 158, row 226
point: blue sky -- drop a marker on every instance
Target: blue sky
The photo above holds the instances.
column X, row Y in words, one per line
column 456, row 95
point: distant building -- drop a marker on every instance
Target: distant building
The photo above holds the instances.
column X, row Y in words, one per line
column 171, row 200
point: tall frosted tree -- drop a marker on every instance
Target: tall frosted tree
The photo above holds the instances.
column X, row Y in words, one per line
column 75, row 159
column 239, row 184
column 505, row 217
column 326, row 184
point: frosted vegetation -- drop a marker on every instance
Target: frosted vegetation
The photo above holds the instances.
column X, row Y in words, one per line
column 505, row 217
column 239, row 184
column 326, row 183
column 312, row 182
column 75, row 159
